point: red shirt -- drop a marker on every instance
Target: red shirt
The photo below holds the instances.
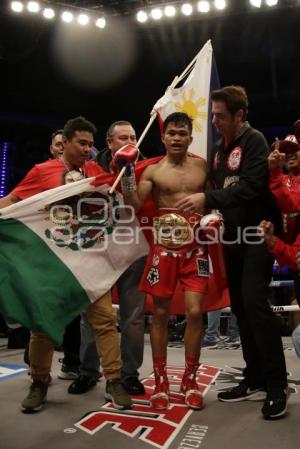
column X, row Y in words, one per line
column 286, row 189
column 285, row 254
column 49, row 175
column 287, row 197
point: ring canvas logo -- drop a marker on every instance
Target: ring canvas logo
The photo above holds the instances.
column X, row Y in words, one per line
column 157, row 428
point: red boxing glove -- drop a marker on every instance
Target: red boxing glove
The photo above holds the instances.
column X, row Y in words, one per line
column 126, row 155
column 212, row 226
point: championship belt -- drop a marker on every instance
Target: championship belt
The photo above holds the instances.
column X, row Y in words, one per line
column 174, row 230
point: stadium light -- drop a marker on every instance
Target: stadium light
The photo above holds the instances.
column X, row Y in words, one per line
column 156, row 13
column 170, row 11
column 33, row 7
column 142, row 16
column 17, row 6
column 101, row 22
column 187, row 9
column 271, row 2
column 220, row 4
column 203, row 6
column 83, row 19
column 255, row 3
column 49, row 13
column 67, row 16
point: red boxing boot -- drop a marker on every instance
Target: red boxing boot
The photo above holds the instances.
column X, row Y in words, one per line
column 189, row 386
column 193, row 396
column 160, row 399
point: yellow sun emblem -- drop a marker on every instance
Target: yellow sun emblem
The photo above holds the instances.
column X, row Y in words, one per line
column 191, row 108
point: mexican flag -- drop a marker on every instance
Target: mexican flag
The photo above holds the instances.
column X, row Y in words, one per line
column 61, row 250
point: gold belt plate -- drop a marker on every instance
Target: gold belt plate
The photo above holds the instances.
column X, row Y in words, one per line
column 172, row 230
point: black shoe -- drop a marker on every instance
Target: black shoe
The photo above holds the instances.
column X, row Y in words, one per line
column 81, row 385
column 242, row 392
column 275, row 406
column 133, row 386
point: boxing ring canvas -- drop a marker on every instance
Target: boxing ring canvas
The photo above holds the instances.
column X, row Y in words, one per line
column 80, row 421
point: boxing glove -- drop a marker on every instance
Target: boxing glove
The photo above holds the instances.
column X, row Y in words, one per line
column 212, row 226
column 126, row 155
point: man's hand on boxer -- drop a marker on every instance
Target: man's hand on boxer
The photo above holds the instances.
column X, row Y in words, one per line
column 192, row 203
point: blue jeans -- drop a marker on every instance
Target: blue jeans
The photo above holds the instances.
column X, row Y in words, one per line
column 213, row 324
column 132, row 306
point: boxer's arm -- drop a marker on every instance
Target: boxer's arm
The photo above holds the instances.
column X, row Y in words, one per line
column 136, row 198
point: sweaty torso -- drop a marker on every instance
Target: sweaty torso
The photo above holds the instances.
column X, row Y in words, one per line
column 172, row 182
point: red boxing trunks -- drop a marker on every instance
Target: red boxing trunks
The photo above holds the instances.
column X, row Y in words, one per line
column 176, row 256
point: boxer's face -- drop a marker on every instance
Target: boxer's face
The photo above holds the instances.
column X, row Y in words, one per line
column 77, row 149
column 121, row 135
column 177, row 138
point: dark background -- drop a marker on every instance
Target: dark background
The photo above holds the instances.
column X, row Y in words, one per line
column 258, row 49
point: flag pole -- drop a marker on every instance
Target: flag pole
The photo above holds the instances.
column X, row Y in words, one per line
column 187, row 69
column 152, row 118
column 174, row 83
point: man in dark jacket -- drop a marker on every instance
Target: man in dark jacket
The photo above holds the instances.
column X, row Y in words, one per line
column 240, row 177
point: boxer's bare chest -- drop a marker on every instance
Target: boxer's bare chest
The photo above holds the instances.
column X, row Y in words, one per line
column 172, row 184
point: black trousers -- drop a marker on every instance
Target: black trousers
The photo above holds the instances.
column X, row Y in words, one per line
column 71, row 343
column 249, row 272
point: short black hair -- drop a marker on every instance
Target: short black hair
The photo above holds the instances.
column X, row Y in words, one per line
column 179, row 118
column 55, row 133
column 111, row 128
column 234, row 97
column 78, row 124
